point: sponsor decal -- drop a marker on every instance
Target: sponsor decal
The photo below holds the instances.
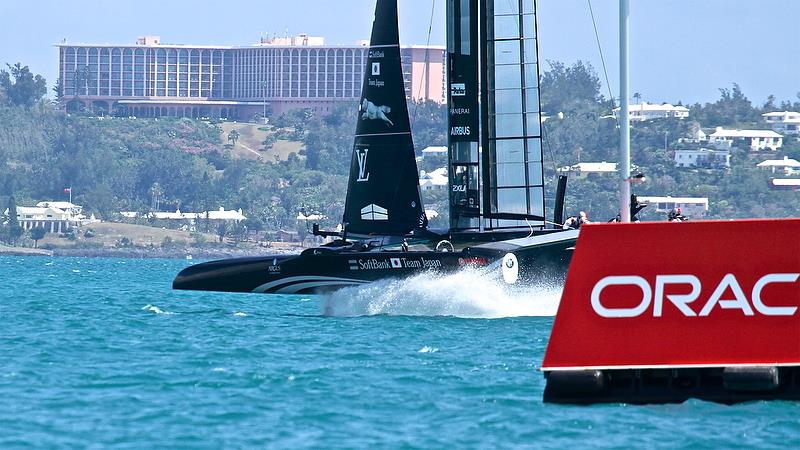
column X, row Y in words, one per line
column 713, row 293
column 376, row 54
column 472, row 261
column 374, row 264
column 274, row 269
column 459, row 111
column 420, row 263
column 376, row 69
column 361, row 155
column 374, row 212
column 460, row 131
column 353, row 263
column 460, row 188
column 654, row 295
column 369, row 111
column 458, row 89
column 398, row 263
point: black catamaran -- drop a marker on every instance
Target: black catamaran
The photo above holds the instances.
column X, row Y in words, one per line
column 496, row 195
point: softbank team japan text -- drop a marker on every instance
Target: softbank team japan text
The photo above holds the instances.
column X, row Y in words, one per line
column 398, row 263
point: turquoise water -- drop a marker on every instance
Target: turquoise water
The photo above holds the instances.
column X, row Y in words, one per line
column 101, row 353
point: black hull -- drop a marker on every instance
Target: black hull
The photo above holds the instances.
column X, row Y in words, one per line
column 324, row 269
column 314, row 271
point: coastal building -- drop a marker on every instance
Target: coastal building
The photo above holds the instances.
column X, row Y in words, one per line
column 786, row 122
column 54, row 217
column 690, row 206
column 756, row 139
column 704, row 158
column 648, row 111
column 154, row 79
column 190, row 219
column 434, row 151
column 434, row 180
column 784, row 184
column 786, row 166
column 583, row 170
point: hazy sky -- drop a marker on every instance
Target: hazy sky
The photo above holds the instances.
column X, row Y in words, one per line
column 680, row 49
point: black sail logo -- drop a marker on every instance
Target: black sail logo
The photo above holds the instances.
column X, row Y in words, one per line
column 370, row 111
column 363, row 175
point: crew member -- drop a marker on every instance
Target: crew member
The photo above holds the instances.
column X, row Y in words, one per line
column 675, row 215
column 571, row 223
column 583, row 218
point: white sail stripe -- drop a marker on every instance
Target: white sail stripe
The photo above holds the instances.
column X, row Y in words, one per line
column 384, row 46
column 302, row 278
column 295, row 288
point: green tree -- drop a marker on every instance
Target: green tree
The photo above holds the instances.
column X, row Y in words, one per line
column 13, row 230
column 36, row 234
column 732, row 109
column 570, row 89
column 329, row 140
column 222, row 230
column 428, row 124
column 58, row 90
column 22, row 88
column 156, row 194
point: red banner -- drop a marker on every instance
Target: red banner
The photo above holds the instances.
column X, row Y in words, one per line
column 715, row 293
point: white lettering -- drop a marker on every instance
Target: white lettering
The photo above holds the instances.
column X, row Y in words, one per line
column 680, row 301
column 621, row 281
column 773, row 310
column 459, row 131
column 363, row 175
column 739, row 301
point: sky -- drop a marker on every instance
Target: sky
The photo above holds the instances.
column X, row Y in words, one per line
column 681, row 50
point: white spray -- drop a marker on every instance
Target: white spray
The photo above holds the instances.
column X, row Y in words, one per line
column 469, row 293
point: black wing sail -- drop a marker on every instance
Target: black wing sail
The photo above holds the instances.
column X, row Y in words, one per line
column 383, row 195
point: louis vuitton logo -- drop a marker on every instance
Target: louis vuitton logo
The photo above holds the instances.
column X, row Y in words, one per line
column 363, row 175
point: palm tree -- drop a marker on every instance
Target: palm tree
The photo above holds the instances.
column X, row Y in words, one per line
column 156, row 192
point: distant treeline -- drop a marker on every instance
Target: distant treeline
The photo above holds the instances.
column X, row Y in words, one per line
column 118, row 164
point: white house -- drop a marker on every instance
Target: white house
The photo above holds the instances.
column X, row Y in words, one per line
column 435, row 180
column 649, row 111
column 690, row 206
column 703, row 157
column 583, row 170
column 54, row 217
column 786, row 165
column 434, row 151
column 221, row 215
column 758, row 139
column 787, row 122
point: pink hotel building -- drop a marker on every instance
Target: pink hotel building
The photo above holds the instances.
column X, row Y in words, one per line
column 151, row 79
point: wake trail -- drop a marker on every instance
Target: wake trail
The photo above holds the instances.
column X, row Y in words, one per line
column 469, row 293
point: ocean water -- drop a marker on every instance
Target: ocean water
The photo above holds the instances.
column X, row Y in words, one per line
column 102, row 353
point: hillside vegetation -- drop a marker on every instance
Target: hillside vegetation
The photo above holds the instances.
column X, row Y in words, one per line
column 300, row 161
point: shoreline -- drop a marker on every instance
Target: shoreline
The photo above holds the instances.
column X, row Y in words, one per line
column 145, row 253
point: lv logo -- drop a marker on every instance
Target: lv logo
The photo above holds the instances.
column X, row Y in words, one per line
column 363, row 175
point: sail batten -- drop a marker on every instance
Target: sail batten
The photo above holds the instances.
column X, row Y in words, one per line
column 383, row 195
